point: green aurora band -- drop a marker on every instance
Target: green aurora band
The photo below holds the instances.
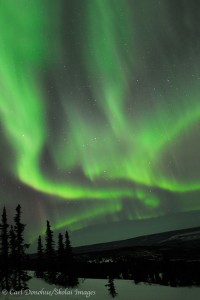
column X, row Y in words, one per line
column 118, row 145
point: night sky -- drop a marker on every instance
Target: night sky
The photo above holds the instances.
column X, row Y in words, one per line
column 100, row 115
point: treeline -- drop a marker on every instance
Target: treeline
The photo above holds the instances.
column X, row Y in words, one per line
column 14, row 261
column 12, row 252
column 52, row 257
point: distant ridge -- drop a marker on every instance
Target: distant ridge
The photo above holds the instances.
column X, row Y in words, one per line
column 185, row 237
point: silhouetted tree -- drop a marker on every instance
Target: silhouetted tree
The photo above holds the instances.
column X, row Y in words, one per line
column 67, row 277
column 4, row 236
column 111, row 287
column 12, row 243
column 21, row 246
column 49, row 250
column 50, row 275
column 68, row 247
column 40, row 258
column 12, row 256
column 4, row 250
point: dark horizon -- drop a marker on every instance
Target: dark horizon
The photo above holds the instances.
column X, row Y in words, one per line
column 105, row 233
column 168, row 259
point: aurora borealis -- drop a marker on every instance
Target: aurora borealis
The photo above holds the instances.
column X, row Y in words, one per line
column 99, row 110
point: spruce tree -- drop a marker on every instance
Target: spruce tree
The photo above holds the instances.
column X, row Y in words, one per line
column 13, row 256
column 21, row 246
column 4, row 250
column 4, row 237
column 40, row 258
column 12, row 243
column 111, row 287
column 50, row 275
column 19, row 230
column 68, row 247
column 49, row 249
